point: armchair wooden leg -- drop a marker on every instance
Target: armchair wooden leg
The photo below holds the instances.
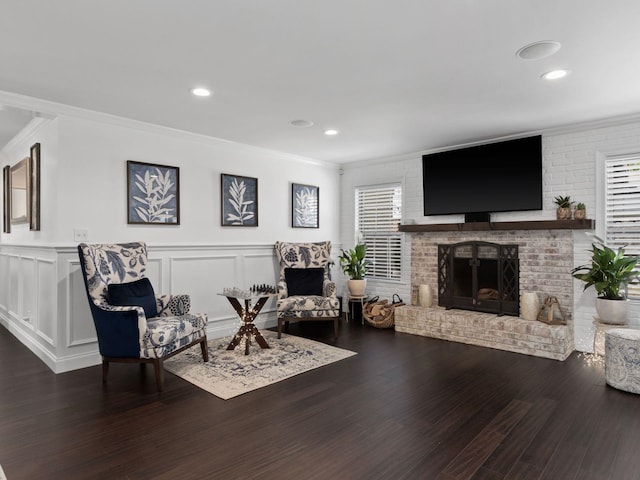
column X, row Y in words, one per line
column 205, row 349
column 335, row 327
column 105, row 370
column 157, row 366
column 279, row 327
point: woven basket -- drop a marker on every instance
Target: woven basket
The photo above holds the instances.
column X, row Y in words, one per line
column 381, row 314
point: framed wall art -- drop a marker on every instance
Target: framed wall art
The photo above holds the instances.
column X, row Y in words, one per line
column 239, row 201
column 19, row 212
column 6, row 196
column 305, row 206
column 153, row 194
column 34, row 187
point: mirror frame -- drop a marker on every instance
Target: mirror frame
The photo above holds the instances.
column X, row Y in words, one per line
column 19, row 177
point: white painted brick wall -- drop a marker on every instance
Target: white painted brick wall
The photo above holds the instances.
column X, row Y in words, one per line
column 570, row 159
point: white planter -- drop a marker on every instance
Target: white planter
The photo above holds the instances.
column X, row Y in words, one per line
column 615, row 312
column 425, row 295
column 357, row 287
column 529, row 305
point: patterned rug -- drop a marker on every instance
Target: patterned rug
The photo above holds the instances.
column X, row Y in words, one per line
column 232, row 373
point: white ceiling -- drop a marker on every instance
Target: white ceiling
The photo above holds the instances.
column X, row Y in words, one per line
column 392, row 76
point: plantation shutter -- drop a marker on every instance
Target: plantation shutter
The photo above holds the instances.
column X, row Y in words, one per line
column 623, row 207
column 378, row 212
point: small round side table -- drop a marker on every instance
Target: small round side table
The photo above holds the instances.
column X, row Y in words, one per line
column 355, row 299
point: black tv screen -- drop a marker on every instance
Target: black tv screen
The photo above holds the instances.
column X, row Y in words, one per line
column 496, row 177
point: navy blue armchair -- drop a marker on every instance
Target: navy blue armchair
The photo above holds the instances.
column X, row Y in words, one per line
column 134, row 325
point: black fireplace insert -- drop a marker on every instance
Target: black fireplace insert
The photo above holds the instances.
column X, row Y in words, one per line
column 479, row 276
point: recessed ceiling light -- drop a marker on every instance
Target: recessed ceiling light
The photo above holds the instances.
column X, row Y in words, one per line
column 555, row 74
column 300, row 123
column 331, row 131
column 200, row 92
column 538, row 50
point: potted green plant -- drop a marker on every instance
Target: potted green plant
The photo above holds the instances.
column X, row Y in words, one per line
column 609, row 273
column 355, row 266
column 563, row 212
column 580, row 212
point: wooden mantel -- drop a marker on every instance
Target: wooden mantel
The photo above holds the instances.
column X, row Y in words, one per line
column 484, row 226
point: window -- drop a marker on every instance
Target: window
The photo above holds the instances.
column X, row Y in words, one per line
column 378, row 212
column 622, row 219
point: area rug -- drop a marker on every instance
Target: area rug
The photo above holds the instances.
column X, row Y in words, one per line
column 230, row 373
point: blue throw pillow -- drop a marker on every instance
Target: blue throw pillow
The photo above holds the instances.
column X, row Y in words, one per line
column 304, row 281
column 138, row 293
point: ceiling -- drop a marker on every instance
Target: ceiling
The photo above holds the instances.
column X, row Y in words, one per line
column 391, row 77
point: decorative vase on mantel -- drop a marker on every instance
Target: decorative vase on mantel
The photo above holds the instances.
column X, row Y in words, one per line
column 563, row 213
column 580, row 213
column 529, row 305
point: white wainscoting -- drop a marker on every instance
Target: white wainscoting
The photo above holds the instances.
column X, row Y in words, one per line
column 44, row 304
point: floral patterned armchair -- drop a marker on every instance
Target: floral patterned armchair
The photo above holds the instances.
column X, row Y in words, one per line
column 132, row 323
column 305, row 291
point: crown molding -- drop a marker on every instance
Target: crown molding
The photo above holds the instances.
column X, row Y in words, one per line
column 31, row 129
column 49, row 109
column 546, row 132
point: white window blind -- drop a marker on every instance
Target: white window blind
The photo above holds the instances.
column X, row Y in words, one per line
column 623, row 207
column 378, row 212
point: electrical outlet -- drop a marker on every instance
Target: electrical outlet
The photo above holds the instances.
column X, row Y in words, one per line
column 81, row 234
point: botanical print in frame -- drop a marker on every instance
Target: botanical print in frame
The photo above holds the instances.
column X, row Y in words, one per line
column 34, row 187
column 305, row 206
column 239, row 201
column 153, row 194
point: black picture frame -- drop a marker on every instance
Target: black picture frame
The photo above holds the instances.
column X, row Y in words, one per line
column 305, row 206
column 238, row 201
column 34, row 187
column 6, row 194
column 153, row 194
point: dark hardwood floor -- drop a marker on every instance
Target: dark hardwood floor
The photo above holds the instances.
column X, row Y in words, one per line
column 405, row 407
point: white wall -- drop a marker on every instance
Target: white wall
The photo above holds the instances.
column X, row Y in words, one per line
column 84, row 185
column 570, row 160
column 83, row 177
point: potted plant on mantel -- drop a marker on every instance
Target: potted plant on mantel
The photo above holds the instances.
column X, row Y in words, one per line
column 609, row 272
column 355, row 267
column 563, row 212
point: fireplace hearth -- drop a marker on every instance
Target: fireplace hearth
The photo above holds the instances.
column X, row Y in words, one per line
column 545, row 259
column 479, row 276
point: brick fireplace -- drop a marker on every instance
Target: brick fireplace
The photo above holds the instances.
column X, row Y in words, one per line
column 545, row 263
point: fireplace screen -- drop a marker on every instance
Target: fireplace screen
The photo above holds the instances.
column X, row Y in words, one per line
column 479, row 276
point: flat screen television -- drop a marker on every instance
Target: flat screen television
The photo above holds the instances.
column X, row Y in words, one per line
column 496, row 177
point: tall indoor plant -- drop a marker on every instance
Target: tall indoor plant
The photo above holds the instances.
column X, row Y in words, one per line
column 609, row 273
column 355, row 266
